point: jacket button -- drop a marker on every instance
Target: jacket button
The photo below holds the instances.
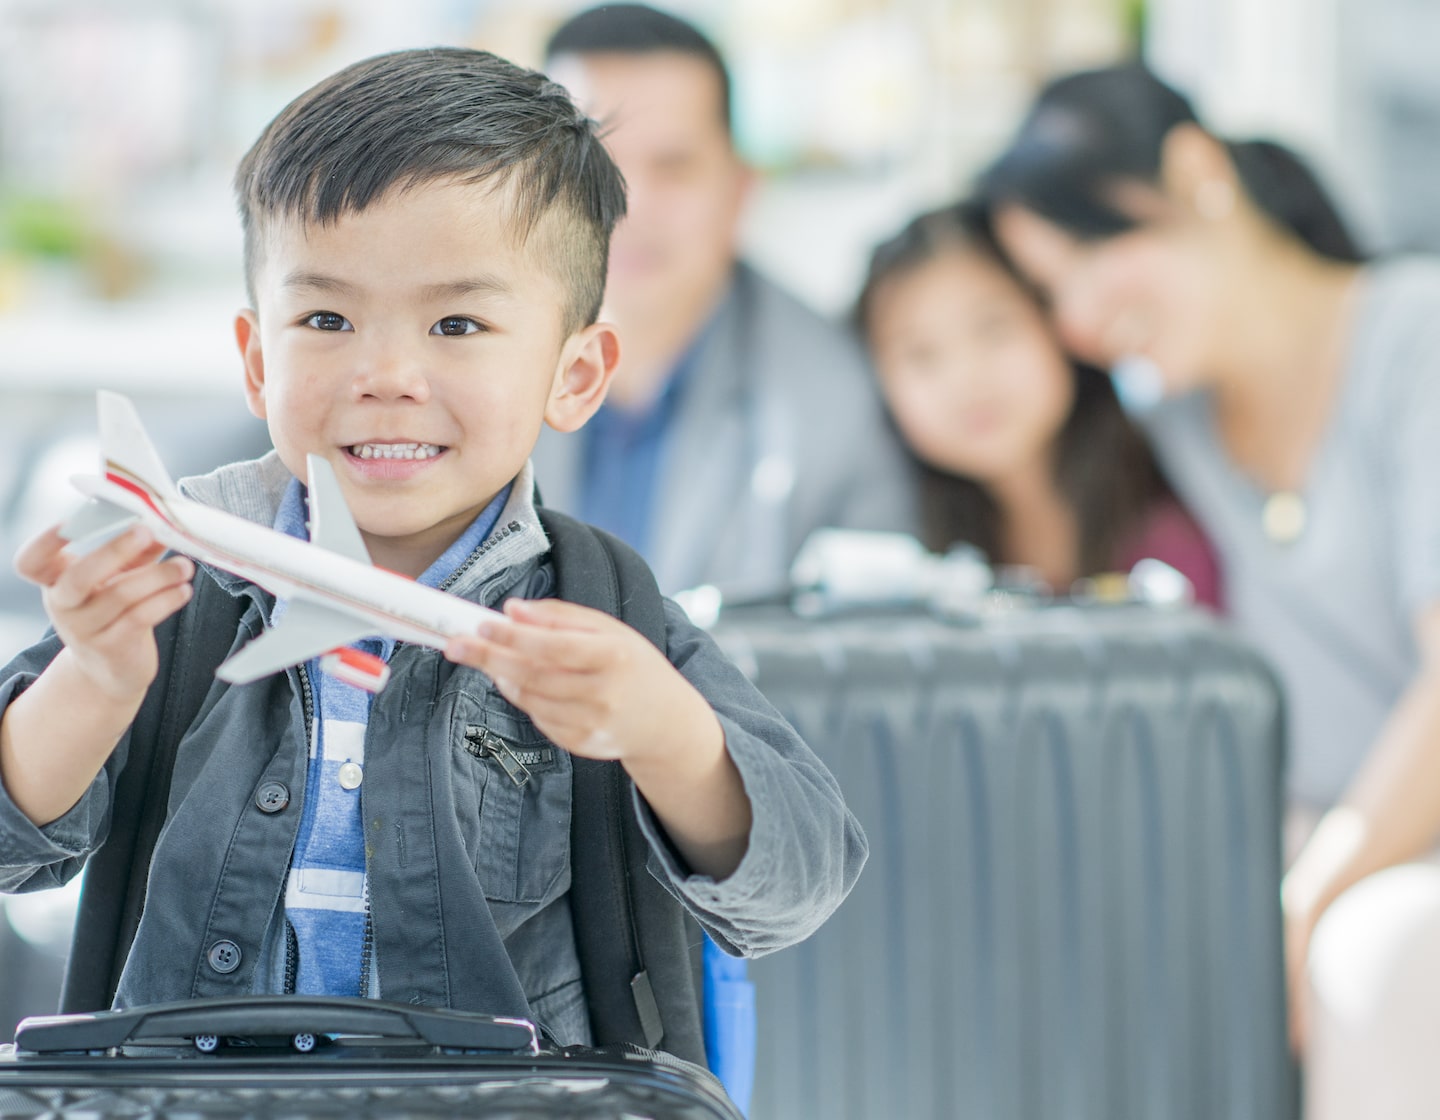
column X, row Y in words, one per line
column 224, row 956
column 272, row 797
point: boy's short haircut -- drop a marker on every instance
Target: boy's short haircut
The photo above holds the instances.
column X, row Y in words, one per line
column 639, row 29
column 402, row 119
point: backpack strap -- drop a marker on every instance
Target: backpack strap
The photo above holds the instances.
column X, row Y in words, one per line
column 638, row 947
column 112, row 897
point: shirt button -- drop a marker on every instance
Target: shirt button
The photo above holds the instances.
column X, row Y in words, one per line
column 351, row 775
column 224, row 956
column 272, row 797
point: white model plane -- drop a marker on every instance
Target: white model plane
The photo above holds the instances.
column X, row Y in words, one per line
column 335, row 595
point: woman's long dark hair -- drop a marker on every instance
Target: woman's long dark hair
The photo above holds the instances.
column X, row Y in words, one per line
column 1088, row 131
column 1103, row 466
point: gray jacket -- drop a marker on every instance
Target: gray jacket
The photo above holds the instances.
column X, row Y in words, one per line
column 468, row 873
column 779, row 432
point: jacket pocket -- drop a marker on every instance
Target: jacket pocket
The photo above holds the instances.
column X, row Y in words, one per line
column 513, row 798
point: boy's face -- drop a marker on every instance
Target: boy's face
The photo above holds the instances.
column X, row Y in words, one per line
column 416, row 346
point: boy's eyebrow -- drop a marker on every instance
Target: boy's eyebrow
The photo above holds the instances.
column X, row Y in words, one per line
column 483, row 284
column 298, row 279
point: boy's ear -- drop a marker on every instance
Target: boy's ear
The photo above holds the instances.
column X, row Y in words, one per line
column 247, row 337
column 587, row 363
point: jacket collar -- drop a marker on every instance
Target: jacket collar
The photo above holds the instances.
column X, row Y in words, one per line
column 253, row 490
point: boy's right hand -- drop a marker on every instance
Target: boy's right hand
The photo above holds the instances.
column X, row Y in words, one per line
column 106, row 604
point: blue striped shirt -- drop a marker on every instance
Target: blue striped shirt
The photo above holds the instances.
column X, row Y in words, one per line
column 326, row 901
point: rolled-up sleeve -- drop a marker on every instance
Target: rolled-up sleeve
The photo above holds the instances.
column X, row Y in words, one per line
column 805, row 848
column 34, row 857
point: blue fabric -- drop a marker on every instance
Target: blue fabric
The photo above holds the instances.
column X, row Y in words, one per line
column 623, row 453
column 730, row 1031
column 326, row 897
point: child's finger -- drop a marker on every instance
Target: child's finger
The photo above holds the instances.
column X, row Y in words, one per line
column 518, row 676
column 124, row 591
column 40, row 559
column 155, row 608
column 80, row 579
column 576, row 651
column 557, row 614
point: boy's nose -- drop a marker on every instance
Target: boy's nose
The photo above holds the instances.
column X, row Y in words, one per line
column 392, row 373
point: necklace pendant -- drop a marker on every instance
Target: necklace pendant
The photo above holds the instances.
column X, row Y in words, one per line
column 1283, row 517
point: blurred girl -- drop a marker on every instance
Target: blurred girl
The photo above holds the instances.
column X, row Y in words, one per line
column 1021, row 451
column 1300, row 420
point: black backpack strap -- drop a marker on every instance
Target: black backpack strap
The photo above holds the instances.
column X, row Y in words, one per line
column 638, row 947
column 112, row 897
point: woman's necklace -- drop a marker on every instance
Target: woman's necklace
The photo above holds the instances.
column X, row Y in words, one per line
column 1283, row 516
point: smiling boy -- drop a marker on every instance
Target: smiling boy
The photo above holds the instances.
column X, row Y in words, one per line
column 426, row 237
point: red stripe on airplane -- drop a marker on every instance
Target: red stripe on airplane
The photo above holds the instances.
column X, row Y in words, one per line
column 139, row 491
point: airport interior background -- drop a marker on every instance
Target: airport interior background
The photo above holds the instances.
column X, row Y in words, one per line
column 120, row 126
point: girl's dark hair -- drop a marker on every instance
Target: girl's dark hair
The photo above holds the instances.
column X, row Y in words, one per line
column 1090, row 130
column 1103, row 466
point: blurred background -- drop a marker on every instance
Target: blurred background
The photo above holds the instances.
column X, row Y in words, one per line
column 120, row 125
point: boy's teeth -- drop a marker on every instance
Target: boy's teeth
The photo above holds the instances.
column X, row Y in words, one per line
column 395, row 450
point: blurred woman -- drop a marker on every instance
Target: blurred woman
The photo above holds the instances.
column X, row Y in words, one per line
column 1300, row 421
column 1021, row 452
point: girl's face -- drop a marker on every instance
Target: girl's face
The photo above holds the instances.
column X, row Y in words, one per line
column 975, row 379
column 1150, row 293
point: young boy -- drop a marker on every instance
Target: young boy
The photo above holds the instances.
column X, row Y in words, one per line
column 425, row 242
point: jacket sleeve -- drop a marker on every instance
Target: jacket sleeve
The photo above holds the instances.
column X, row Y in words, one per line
column 32, row 857
column 805, row 848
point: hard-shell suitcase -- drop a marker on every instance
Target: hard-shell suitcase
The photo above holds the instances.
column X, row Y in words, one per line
column 287, row 1056
column 1071, row 907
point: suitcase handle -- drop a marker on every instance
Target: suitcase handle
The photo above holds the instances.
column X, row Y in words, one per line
column 282, row 1016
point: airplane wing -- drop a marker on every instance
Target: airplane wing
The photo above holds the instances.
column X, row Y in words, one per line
column 331, row 526
column 307, row 630
column 94, row 523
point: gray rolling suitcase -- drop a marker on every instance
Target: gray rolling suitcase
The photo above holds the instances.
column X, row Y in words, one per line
column 1071, row 907
column 276, row 1057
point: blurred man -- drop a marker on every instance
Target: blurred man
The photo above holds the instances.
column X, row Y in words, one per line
column 739, row 420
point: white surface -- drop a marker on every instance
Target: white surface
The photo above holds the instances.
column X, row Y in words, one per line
column 182, row 343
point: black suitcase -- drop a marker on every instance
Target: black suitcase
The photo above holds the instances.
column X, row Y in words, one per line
column 1071, row 907
column 287, row 1056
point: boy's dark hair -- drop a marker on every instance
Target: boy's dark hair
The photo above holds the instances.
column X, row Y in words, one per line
column 415, row 116
column 1089, row 130
column 639, row 29
column 1103, row 467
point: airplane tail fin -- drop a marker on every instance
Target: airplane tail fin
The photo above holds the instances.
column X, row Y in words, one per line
column 126, row 448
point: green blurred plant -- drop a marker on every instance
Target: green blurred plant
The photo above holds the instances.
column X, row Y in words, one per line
column 45, row 227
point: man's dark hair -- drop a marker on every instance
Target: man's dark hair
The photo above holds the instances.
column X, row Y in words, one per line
column 411, row 117
column 638, row 29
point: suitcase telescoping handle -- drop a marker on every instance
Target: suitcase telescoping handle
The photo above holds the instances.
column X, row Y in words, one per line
column 293, row 1016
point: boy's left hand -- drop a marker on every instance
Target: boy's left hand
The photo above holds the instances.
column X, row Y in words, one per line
column 599, row 689
column 593, row 685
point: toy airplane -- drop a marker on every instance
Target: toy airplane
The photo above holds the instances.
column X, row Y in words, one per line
column 336, row 595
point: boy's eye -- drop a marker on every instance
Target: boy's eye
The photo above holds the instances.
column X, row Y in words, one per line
column 328, row 321
column 456, row 325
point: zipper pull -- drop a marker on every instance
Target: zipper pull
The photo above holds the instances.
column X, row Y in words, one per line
column 484, row 743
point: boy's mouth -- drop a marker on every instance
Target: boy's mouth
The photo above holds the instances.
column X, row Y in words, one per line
column 394, row 450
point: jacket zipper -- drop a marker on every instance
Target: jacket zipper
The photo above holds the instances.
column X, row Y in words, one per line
column 292, row 943
column 292, row 958
column 516, row 761
column 490, row 542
